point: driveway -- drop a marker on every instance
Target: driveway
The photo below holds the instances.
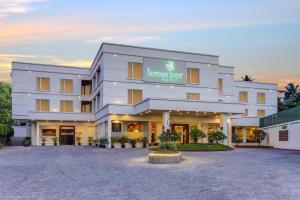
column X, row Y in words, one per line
column 91, row 173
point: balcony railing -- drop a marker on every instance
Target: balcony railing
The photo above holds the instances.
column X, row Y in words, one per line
column 289, row 115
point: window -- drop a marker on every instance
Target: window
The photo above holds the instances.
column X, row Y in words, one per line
column 261, row 113
column 245, row 114
column 192, row 76
column 66, row 85
column 135, row 71
column 66, row 106
column 193, row 96
column 134, row 96
column 42, row 84
column 86, row 106
column 261, row 98
column 134, row 127
column 42, row 105
column 220, row 85
column 244, row 97
column 116, row 127
column 86, row 87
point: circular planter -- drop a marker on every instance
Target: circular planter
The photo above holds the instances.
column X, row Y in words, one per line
column 159, row 158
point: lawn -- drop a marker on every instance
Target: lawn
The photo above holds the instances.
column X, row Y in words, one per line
column 204, row 147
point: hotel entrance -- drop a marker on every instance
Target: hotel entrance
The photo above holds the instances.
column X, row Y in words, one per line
column 183, row 129
column 67, row 135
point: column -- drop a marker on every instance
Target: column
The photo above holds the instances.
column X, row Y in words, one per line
column 165, row 120
column 204, row 127
column 33, row 133
column 38, row 137
column 229, row 131
column 223, row 124
column 109, row 131
column 244, row 134
column 199, row 127
column 85, row 135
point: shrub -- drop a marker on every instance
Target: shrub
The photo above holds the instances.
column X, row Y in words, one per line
column 44, row 140
column 169, row 136
column 123, row 140
column 145, row 141
column 27, row 141
column 78, row 138
column 196, row 134
column 216, row 137
column 90, row 140
column 132, row 142
column 55, row 139
column 259, row 135
column 6, row 132
column 167, row 147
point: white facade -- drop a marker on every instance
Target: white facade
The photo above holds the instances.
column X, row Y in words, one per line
column 163, row 105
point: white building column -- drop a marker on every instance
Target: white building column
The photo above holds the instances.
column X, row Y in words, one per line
column 38, row 137
column 244, row 134
column 33, row 133
column 166, row 120
column 109, row 131
column 226, row 128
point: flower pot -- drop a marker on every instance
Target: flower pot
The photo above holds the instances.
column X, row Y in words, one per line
column 100, row 145
column 96, row 145
column 79, row 144
column 112, row 146
column 55, row 144
column 43, row 144
column 104, row 146
column 123, row 146
column 133, row 145
column 90, row 144
column 144, row 145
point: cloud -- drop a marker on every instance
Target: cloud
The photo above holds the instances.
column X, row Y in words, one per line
column 125, row 39
column 9, row 7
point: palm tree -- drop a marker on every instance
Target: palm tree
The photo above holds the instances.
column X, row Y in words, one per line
column 290, row 90
column 294, row 100
column 247, row 78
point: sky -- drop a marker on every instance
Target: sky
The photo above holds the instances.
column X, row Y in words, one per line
column 260, row 38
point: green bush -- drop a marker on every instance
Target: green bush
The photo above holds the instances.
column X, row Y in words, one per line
column 196, row 134
column 216, row 137
column 169, row 136
column 259, row 135
column 27, row 141
column 167, row 147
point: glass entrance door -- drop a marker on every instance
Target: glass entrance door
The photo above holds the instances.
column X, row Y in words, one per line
column 67, row 135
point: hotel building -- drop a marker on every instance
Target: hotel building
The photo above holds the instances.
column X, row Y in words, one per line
column 137, row 92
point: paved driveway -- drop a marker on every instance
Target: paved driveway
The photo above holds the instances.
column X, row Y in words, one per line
column 90, row 173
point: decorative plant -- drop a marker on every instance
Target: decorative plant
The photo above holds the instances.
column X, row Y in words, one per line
column 170, row 136
column 90, row 140
column 113, row 140
column 44, row 140
column 196, row 134
column 78, row 138
column 27, row 142
column 105, row 142
column 145, row 141
column 133, row 142
column 55, row 139
column 123, row 141
column 153, row 138
column 167, row 147
column 101, row 142
column 247, row 78
column 216, row 137
column 96, row 142
column 259, row 136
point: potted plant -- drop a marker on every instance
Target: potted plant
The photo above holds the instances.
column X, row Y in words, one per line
column 113, row 141
column 132, row 142
column 55, row 139
column 105, row 142
column 27, row 142
column 44, row 140
column 96, row 142
column 78, row 138
column 123, row 141
column 101, row 142
column 145, row 141
column 90, row 140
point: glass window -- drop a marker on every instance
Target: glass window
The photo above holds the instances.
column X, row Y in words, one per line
column 192, row 76
column 42, row 105
column 66, row 85
column 134, row 96
column 220, row 85
column 261, row 113
column 244, row 97
column 66, row 106
column 86, row 106
column 193, row 96
column 42, row 83
column 261, row 98
column 135, row 71
column 86, row 86
column 116, row 127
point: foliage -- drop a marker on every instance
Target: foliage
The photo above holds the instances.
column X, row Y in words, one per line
column 103, row 141
column 169, row 136
column 196, row 134
column 293, row 101
column 259, row 135
column 6, row 131
column 290, row 90
column 133, row 142
column 91, row 140
column 27, row 141
column 123, row 140
column 44, row 139
column 167, row 146
column 247, row 78
column 216, row 137
column 113, row 140
column 203, row 147
column 55, row 140
column 144, row 141
column 78, row 138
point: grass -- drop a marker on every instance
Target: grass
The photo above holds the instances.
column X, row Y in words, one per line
column 203, row 147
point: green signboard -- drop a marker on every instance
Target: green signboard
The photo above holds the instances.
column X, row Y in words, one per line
column 164, row 71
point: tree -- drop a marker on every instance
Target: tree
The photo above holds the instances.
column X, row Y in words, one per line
column 290, row 90
column 259, row 136
column 196, row 134
column 5, row 113
column 247, row 78
column 169, row 136
column 216, row 137
column 293, row 101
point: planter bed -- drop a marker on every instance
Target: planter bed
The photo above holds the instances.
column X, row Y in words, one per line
column 203, row 147
column 164, row 158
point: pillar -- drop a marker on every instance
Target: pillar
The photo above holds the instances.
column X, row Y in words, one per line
column 244, row 134
column 166, row 120
column 85, row 134
column 33, row 133
column 109, row 131
column 226, row 128
column 38, row 137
